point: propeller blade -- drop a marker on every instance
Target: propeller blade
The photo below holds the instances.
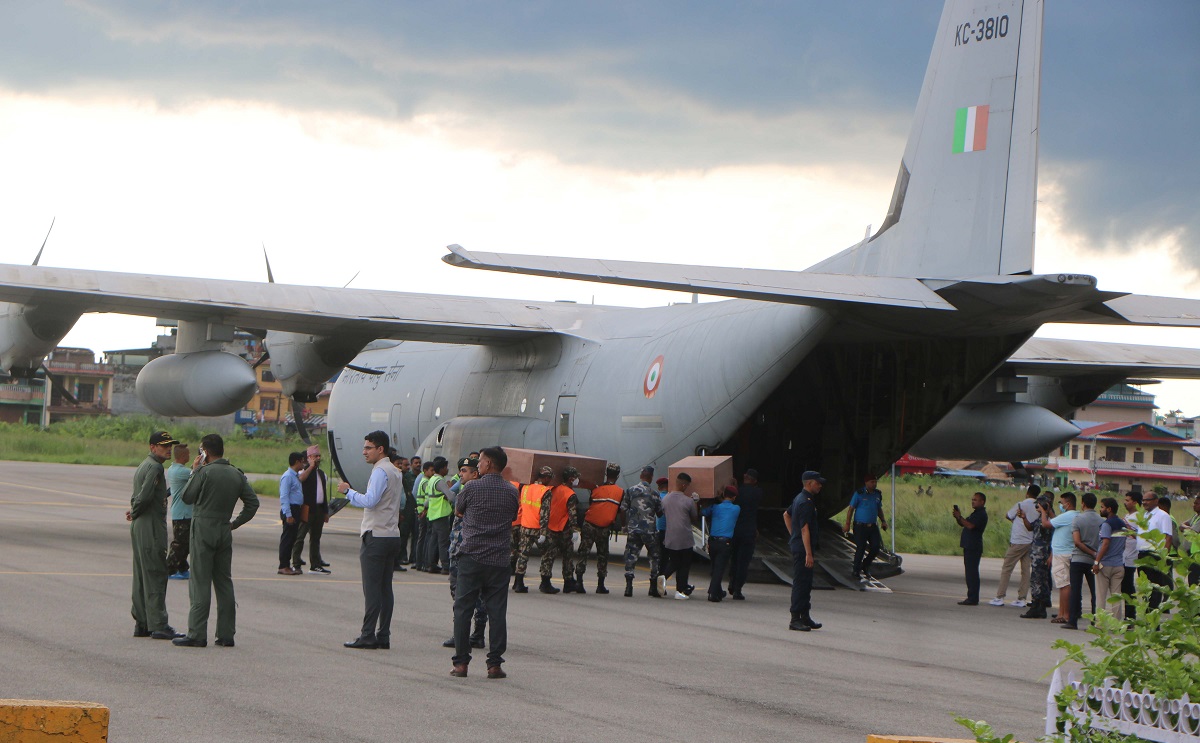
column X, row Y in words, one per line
column 266, row 354
column 364, row 370
column 270, row 276
column 39, row 255
column 57, row 384
column 298, row 416
column 352, row 278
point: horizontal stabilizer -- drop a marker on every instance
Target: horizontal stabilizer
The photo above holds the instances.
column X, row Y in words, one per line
column 1066, row 358
column 791, row 287
column 1141, row 309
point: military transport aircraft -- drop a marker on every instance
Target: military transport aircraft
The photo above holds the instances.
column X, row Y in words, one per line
column 917, row 338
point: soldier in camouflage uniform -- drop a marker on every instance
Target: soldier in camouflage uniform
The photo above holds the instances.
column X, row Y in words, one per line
column 559, row 519
column 465, row 477
column 530, row 524
column 600, row 520
column 641, row 507
column 147, row 515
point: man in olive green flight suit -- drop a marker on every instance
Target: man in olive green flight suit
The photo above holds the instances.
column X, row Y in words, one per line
column 215, row 487
column 147, row 515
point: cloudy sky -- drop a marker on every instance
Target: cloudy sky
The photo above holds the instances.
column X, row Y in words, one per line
column 362, row 137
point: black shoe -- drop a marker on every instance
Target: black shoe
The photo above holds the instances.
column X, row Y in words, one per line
column 519, row 584
column 965, row 602
column 398, row 569
column 687, row 590
column 799, row 626
column 579, row 584
column 810, row 622
column 737, row 596
column 548, row 587
column 628, row 586
column 448, row 643
column 302, row 562
column 600, row 586
column 188, row 642
column 361, row 644
column 477, row 641
column 166, row 633
column 1069, row 625
column 714, row 599
column 383, row 644
column 225, row 643
column 140, row 630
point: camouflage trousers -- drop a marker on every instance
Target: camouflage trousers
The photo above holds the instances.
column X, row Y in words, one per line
column 525, row 542
column 177, row 553
column 597, row 535
column 558, row 544
column 633, row 547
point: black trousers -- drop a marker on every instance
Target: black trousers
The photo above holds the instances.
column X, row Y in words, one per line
column 1079, row 572
column 287, row 539
column 802, row 580
column 679, row 564
column 720, row 549
column 866, row 542
column 422, row 537
column 437, row 543
column 741, row 550
column 489, row 584
column 408, row 533
column 312, row 529
column 1128, row 587
column 971, row 559
column 1157, row 577
column 377, row 558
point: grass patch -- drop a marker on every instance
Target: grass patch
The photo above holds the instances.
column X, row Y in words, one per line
column 123, row 442
column 924, row 524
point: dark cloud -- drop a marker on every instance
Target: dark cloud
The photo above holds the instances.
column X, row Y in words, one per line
column 659, row 86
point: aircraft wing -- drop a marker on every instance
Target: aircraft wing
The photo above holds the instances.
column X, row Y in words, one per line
column 1068, row 358
column 299, row 309
column 794, row 287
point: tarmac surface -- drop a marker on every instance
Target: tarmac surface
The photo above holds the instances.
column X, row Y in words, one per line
column 581, row 667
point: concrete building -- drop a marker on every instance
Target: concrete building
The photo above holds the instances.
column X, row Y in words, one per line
column 21, row 401
column 1121, row 403
column 82, row 387
column 1119, row 456
column 270, row 408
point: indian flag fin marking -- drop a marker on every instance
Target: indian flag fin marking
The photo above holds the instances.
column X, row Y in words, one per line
column 970, row 129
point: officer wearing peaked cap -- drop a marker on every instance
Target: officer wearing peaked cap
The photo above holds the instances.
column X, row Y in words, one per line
column 147, row 515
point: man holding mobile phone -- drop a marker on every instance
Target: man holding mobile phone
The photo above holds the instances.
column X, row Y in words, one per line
column 971, row 541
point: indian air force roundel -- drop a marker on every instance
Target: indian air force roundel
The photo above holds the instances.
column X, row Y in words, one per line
column 653, row 377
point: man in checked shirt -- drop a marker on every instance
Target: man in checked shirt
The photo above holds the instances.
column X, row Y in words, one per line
column 487, row 507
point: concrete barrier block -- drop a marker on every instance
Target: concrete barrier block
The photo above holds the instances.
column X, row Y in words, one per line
column 38, row 721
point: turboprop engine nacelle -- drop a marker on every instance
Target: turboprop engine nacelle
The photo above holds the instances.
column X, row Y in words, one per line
column 28, row 333
column 303, row 363
column 198, row 383
column 999, row 431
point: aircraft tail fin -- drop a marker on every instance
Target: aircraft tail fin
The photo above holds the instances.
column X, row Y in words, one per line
column 964, row 201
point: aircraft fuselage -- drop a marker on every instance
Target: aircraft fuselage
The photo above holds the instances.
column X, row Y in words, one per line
column 633, row 386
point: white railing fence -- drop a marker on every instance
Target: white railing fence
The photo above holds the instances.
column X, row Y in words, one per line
column 1120, row 709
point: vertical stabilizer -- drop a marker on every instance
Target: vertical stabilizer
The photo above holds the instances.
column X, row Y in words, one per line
column 964, row 201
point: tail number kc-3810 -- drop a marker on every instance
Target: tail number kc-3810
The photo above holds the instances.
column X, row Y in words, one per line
column 982, row 30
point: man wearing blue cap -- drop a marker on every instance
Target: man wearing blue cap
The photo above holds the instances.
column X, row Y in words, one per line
column 799, row 519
